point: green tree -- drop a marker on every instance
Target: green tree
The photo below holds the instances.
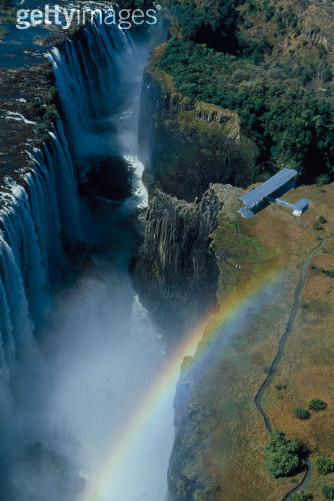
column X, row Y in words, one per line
column 301, row 413
column 322, row 219
column 322, row 179
column 211, row 22
column 301, row 496
column 328, row 492
column 283, row 457
column 317, row 405
column 288, row 123
column 327, row 75
column 324, row 465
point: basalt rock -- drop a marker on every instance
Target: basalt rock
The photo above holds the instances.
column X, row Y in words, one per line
column 176, row 272
column 186, row 146
column 188, row 474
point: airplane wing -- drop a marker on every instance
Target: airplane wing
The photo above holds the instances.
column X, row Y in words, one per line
column 271, row 185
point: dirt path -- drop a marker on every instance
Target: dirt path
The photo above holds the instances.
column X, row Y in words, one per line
column 258, row 397
column 257, row 400
column 284, row 338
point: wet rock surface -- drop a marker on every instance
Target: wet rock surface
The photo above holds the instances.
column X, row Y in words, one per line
column 176, row 271
column 186, row 146
column 29, row 106
column 27, row 109
column 189, row 471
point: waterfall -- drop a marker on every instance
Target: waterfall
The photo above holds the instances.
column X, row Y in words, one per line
column 86, row 71
column 78, row 359
column 39, row 220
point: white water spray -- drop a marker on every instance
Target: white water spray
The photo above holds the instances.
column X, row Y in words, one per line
column 76, row 379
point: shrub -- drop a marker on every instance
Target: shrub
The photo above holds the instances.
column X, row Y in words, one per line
column 323, row 179
column 328, row 492
column 322, row 219
column 329, row 273
column 283, row 456
column 324, row 465
column 317, row 225
column 300, row 496
column 301, row 413
column 327, row 75
column 317, row 405
column 52, row 94
column 52, row 112
column 280, row 386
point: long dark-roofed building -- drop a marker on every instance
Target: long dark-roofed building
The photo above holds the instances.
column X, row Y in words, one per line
column 270, row 192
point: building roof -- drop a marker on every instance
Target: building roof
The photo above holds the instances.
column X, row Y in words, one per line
column 302, row 204
column 271, row 185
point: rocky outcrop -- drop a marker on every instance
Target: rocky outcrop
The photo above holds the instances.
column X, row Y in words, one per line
column 317, row 23
column 189, row 150
column 176, row 272
column 197, row 142
column 29, row 104
column 188, row 474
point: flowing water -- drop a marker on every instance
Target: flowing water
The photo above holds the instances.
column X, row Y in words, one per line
column 78, row 352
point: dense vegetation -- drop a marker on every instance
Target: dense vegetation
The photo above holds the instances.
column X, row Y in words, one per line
column 213, row 22
column 324, row 465
column 328, row 492
column 301, row 413
column 284, row 457
column 290, row 125
column 229, row 52
column 316, row 404
column 301, row 496
column 135, row 4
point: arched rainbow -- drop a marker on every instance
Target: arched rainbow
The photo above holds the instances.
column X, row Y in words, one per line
column 195, row 346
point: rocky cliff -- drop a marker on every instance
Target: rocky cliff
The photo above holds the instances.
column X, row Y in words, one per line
column 176, row 271
column 189, row 149
column 189, row 477
column 186, row 146
column 197, row 142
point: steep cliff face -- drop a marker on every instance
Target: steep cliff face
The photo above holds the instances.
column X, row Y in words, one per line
column 176, row 271
column 186, row 146
column 189, row 149
column 189, row 477
column 197, row 142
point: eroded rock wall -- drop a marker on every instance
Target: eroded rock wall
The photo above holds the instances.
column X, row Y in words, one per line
column 186, row 146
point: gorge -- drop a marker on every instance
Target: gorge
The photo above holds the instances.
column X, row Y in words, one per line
column 149, row 334
column 78, row 351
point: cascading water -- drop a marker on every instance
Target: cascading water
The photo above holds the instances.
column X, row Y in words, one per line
column 98, row 97
column 76, row 362
column 37, row 221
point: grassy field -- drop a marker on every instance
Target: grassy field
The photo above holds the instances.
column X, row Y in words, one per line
column 264, row 265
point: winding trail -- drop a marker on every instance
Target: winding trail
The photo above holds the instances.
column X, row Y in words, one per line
column 283, row 340
column 293, row 313
column 257, row 400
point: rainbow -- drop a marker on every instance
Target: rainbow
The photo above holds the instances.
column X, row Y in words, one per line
column 191, row 351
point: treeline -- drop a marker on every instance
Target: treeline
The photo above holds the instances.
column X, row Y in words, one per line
column 217, row 23
column 135, row 4
column 213, row 22
column 290, row 124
